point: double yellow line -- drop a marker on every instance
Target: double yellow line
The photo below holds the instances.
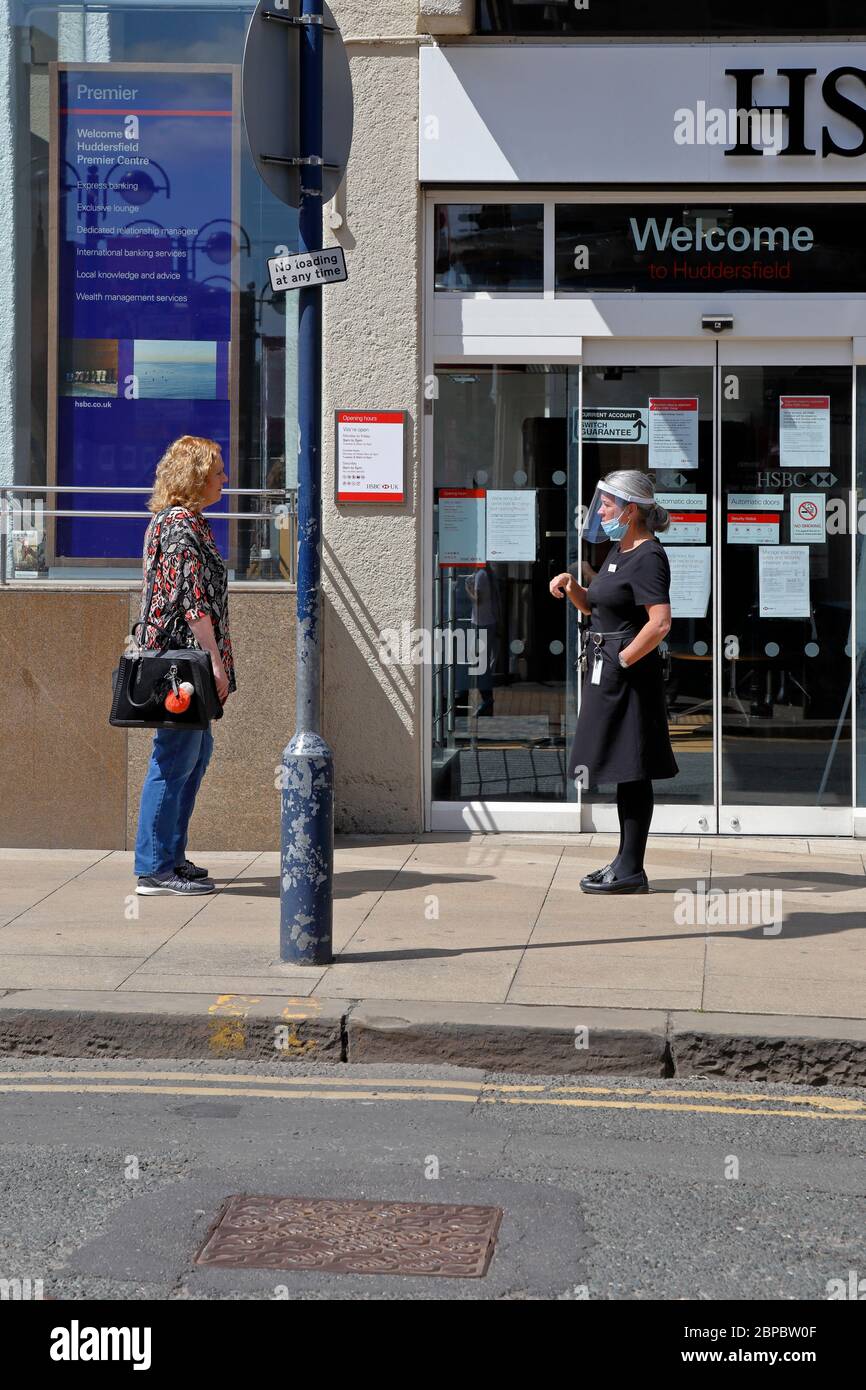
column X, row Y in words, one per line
column 364, row 1088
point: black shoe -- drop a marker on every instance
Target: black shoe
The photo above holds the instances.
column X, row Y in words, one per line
column 150, row 884
column 609, row 883
column 189, row 870
column 596, row 876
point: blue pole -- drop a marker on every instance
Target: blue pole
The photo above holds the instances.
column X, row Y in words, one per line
column 307, row 820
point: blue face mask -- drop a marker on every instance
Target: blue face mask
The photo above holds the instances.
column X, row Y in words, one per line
column 615, row 530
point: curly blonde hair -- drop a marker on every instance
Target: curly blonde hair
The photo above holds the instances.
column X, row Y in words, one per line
column 182, row 473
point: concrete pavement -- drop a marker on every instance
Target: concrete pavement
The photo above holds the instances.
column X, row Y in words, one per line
column 748, row 957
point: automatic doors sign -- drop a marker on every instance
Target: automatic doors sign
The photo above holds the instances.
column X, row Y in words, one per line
column 756, row 501
column 371, row 455
column 605, row 424
column 688, row 514
column 308, row 268
column 673, row 432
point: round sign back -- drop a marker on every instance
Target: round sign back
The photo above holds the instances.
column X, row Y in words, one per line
column 271, row 106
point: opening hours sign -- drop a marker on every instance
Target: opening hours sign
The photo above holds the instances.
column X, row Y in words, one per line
column 371, row 455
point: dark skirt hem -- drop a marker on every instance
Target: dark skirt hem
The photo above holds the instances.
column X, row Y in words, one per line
column 604, row 772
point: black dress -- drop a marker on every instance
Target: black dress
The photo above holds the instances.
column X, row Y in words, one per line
column 622, row 730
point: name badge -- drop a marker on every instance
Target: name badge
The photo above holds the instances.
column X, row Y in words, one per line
column 611, row 568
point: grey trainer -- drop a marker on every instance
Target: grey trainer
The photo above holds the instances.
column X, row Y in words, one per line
column 154, row 884
column 189, row 870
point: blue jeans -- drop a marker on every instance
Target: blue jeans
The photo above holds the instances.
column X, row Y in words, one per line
column 177, row 765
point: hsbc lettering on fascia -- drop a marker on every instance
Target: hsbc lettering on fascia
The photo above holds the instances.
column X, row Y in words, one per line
column 699, row 237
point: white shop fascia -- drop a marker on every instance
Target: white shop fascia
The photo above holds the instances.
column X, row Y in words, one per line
column 639, row 123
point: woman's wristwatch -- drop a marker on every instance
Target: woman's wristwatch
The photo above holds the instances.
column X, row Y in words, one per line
column 623, row 664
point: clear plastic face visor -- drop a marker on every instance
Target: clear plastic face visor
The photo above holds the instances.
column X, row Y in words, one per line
column 606, row 505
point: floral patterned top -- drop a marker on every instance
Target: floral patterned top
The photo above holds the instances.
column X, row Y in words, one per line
column 191, row 578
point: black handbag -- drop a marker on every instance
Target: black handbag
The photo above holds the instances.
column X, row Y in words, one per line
column 146, row 675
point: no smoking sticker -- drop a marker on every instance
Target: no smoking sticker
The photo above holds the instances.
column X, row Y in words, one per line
column 807, row 517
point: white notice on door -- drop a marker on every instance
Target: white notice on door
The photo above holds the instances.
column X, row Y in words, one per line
column 808, row 510
column 804, row 431
column 690, row 580
column 784, row 581
column 461, row 526
column 673, row 432
column 511, row 525
column 753, row 528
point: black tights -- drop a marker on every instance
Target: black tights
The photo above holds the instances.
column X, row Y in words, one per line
column 634, row 805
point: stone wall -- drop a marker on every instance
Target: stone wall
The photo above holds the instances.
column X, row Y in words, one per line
column 69, row 780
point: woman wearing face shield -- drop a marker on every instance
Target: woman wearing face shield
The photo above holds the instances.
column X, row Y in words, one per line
column 622, row 731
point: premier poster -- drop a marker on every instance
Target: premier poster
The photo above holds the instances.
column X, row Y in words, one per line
column 144, row 287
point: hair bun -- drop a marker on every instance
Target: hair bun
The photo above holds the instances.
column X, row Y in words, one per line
column 657, row 518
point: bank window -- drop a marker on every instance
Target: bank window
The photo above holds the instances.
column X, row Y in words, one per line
column 641, row 248
column 137, row 305
column 624, row 18
column 489, row 246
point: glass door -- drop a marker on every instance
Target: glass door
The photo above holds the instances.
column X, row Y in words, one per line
column 750, row 449
column 785, row 562
column 651, row 407
column 498, row 641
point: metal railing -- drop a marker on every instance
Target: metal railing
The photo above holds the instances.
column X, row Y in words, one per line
column 283, row 518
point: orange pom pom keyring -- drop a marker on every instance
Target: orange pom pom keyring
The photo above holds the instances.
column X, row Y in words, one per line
column 179, row 698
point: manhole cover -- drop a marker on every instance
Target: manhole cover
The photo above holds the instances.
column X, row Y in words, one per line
column 351, row 1237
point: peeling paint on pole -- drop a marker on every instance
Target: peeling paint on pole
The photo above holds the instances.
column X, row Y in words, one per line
column 307, row 856
column 284, row 78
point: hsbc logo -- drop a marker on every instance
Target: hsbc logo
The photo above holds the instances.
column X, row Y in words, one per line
column 801, row 141
column 785, row 477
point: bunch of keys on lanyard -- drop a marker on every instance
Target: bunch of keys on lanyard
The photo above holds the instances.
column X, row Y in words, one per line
column 598, row 639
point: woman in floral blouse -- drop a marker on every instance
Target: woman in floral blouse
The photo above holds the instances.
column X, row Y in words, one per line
column 190, row 602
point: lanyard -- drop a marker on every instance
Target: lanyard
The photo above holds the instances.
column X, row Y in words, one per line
column 597, row 639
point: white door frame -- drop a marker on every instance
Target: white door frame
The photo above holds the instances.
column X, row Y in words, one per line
column 561, row 328
column 788, row 820
column 675, row 819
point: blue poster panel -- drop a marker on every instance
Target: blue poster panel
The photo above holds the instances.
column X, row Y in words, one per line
column 146, row 285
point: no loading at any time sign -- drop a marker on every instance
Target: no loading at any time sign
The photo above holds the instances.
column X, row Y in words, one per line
column 308, row 268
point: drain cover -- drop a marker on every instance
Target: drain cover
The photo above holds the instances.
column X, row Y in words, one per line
column 352, row 1237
